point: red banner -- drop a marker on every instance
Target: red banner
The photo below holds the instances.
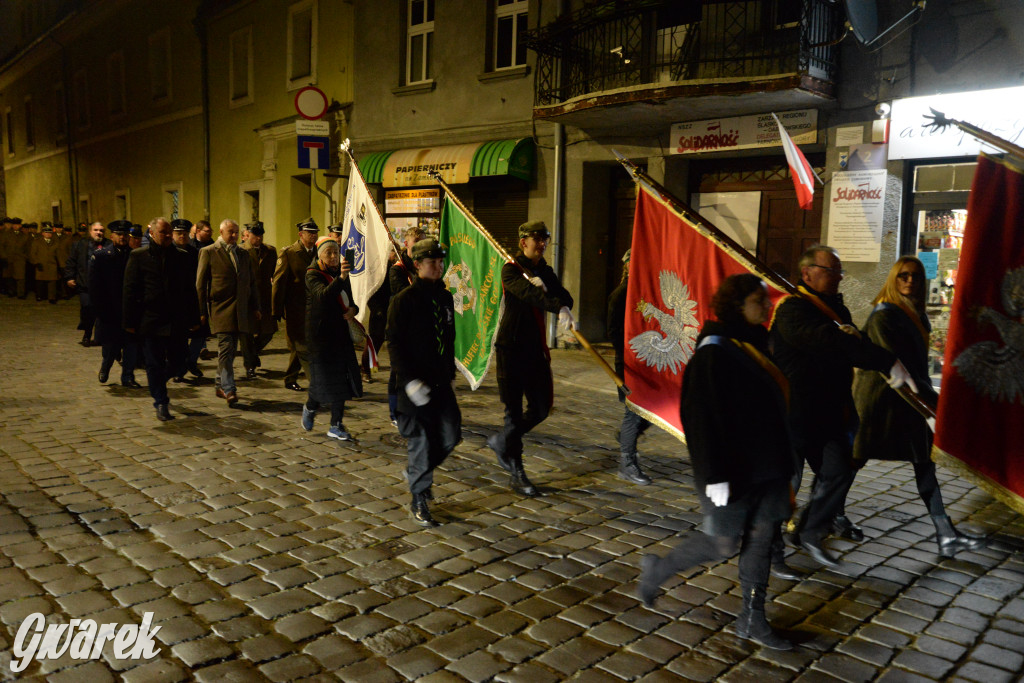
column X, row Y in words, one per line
column 980, row 420
column 674, row 269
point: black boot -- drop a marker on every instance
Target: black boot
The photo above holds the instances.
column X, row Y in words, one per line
column 652, row 575
column 420, row 511
column 495, row 444
column 518, row 481
column 752, row 625
column 162, row 413
column 952, row 541
column 629, row 469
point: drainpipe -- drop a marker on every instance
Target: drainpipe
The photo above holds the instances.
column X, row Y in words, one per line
column 204, row 69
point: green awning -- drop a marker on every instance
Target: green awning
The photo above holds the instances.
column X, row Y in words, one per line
column 455, row 163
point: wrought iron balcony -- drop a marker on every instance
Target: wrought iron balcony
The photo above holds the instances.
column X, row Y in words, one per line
column 640, row 45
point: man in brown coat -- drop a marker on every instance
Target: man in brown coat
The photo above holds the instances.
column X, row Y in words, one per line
column 44, row 255
column 289, row 298
column 17, row 257
column 228, row 301
column 264, row 262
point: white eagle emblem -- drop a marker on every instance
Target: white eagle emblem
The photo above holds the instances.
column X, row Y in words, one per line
column 995, row 371
column 673, row 346
column 458, row 280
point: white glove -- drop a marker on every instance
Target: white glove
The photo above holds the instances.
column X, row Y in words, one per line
column 931, row 423
column 718, row 493
column 566, row 320
column 537, row 282
column 418, row 392
column 898, row 376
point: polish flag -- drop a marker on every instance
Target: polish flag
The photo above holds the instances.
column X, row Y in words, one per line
column 803, row 174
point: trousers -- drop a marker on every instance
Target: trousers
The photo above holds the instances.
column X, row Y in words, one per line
column 522, row 376
column 163, row 357
column 433, row 431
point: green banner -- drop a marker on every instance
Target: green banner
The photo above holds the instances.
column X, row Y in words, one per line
column 473, row 274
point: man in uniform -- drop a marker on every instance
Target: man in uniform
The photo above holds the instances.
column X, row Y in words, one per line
column 17, row 258
column 5, row 236
column 289, row 298
column 421, row 336
column 106, row 287
column 524, row 364
column 180, row 228
column 335, row 232
column 228, row 301
column 76, row 274
column 816, row 345
column 264, row 260
column 161, row 306
column 44, row 257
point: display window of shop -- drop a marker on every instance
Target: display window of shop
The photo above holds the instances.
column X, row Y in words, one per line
column 409, row 207
column 936, row 219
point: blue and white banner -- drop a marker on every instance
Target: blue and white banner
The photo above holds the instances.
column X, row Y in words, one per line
column 366, row 235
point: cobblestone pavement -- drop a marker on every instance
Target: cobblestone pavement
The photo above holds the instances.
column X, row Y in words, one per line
column 266, row 553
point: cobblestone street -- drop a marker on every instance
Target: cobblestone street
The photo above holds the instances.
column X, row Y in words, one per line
column 268, row 553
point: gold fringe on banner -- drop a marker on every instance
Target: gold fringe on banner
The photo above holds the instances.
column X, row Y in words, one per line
column 654, row 419
column 962, row 469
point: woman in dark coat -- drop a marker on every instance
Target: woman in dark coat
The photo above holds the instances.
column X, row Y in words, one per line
column 890, row 429
column 733, row 410
column 332, row 357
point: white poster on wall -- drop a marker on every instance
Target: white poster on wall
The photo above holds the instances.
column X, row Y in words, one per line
column 856, row 207
column 734, row 213
column 743, row 132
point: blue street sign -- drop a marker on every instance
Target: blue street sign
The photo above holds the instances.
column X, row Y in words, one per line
column 314, row 151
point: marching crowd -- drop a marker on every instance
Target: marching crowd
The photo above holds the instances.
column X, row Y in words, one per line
column 764, row 394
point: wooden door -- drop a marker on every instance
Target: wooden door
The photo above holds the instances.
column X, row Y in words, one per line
column 785, row 231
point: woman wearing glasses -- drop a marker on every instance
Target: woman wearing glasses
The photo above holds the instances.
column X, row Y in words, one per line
column 890, row 429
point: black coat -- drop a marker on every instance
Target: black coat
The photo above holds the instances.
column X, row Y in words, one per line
column 615, row 328
column 160, row 296
column 734, row 413
column 77, row 267
column 521, row 324
column 332, row 356
column 106, row 284
column 818, row 360
column 416, row 353
column 890, row 429
column 400, row 274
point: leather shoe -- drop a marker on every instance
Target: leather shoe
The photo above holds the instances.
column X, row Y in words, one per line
column 250, row 373
column 421, row 513
column 842, row 526
column 294, row 386
column 195, row 371
column 162, row 413
column 818, row 553
column 103, row 376
column 230, row 396
column 492, row 443
column 781, row 570
column 131, row 384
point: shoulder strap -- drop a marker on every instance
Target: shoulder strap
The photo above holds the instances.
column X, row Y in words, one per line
column 712, row 339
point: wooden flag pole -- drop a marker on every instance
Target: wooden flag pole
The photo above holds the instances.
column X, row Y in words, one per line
column 526, row 274
column 732, row 247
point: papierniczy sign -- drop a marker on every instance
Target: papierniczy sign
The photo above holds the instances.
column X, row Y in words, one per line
column 743, row 132
column 81, row 639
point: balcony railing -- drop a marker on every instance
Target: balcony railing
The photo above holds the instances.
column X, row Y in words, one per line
column 629, row 43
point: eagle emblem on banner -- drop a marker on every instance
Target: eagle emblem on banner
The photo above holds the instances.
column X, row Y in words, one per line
column 673, row 346
column 995, row 371
column 458, row 278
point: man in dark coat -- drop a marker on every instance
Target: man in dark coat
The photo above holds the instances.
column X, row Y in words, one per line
column 421, row 337
column 204, row 235
column 816, row 346
column 400, row 275
column 196, row 342
column 264, row 260
column 161, row 306
column 289, row 298
column 76, row 275
column 524, row 364
column 106, row 285
column 633, row 425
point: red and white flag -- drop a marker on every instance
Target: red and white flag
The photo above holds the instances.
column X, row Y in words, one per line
column 980, row 421
column 674, row 269
column 803, row 175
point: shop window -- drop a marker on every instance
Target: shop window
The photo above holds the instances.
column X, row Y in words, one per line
column 160, row 66
column 115, row 85
column 30, row 134
column 81, row 90
column 241, row 67
column 419, row 42
column 302, row 44
column 509, row 26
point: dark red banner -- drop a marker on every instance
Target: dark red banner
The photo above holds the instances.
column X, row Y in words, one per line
column 980, row 420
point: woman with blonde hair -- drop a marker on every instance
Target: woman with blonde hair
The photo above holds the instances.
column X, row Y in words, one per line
column 890, row 428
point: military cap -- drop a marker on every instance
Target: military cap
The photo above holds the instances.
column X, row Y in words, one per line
column 31, row 226
column 82, row 227
column 428, row 248
column 16, row 221
column 308, row 225
column 337, row 228
column 181, row 225
column 5, row 219
column 120, row 226
column 58, row 225
column 255, row 228
column 135, row 231
column 47, row 227
column 534, row 229
column 47, row 224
